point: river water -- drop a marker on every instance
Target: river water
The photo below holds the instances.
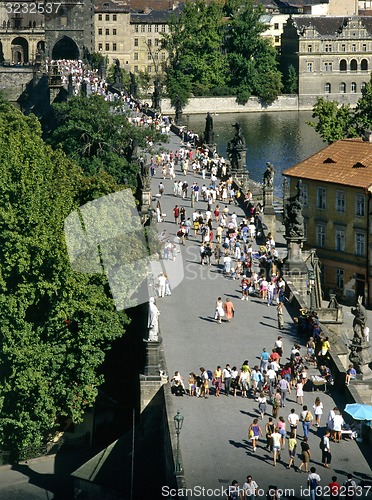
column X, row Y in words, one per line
column 284, row 139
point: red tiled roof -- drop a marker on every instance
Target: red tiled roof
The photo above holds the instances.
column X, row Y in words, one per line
column 347, row 162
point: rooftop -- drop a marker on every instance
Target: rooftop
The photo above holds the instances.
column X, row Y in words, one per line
column 347, row 162
column 329, row 25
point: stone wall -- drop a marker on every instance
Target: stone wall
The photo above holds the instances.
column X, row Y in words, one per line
column 202, row 105
column 13, row 81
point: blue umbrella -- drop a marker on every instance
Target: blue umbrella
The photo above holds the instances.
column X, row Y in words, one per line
column 359, row 411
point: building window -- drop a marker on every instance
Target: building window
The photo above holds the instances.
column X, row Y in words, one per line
column 328, row 47
column 364, row 47
column 277, row 39
column 107, row 17
column 107, row 31
column 353, row 47
column 114, row 47
column 360, row 202
column 136, row 69
column 107, row 45
column 276, row 26
column 149, row 57
column 364, row 65
column 149, row 43
column 360, row 244
column 353, row 87
column 163, row 56
column 328, row 66
column 156, row 56
column 100, row 31
column 340, row 201
column 343, row 47
column 136, row 42
column 340, row 239
column 321, row 198
column 99, row 17
column 100, row 46
column 114, row 17
column 327, row 88
column 340, row 278
column 342, row 88
column 320, row 235
column 362, row 86
column 143, row 28
column 309, row 48
column 136, row 28
column 156, row 28
column 156, row 42
column 149, row 28
column 149, row 68
column 353, row 65
column 114, row 31
column 163, row 27
column 136, row 56
column 305, row 194
column 343, row 65
column 309, row 67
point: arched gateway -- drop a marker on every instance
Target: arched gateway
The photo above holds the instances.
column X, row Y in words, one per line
column 65, row 48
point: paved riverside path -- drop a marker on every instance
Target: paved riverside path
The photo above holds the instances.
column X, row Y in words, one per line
column 214, row 444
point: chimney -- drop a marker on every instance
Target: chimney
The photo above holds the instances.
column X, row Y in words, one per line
column 367, row 136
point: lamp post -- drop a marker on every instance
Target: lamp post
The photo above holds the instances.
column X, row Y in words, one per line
column 178, row 422
column 311, row 278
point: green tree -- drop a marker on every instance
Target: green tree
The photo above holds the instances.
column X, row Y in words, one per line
column 196, row 63
column 252, row 58
column 56, row 324
column 291, row 83
column 363, row 111
column 96, row 138
column 334, row 122
column 95, row 59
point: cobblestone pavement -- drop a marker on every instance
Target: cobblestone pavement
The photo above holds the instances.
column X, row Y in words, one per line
column 214, row 444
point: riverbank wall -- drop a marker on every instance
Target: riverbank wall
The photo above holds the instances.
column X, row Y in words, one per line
column 200, row 105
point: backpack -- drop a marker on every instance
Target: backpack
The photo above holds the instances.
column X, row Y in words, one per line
column 321, row 444
column 308, row 417
column 210, row 375
column 313, row 483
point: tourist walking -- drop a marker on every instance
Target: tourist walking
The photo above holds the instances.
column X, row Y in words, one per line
column 313, row 481
column 269, row 429
column 338, row 422
column 306, row 418
column 293, row 420
column 299, row 393
column 229, row 310
column 318, row 411
column 305, row 455
column 276, row 439
column 217, row 380
column 234, row 491
column 292, row 444
column 262, row 404
column 281, row 425
column 276, row 398
column 254, row 432
column 234, row 380
column 284, row 388
column 220, row 311
column 226, row 379
column 250, row 488
column 326, row 449
column 204, row 389
column 279, row 310
column 350, row 487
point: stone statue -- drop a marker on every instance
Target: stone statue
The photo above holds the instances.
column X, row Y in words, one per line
column 208, row 132
column 144, row 174
column 269, row 175
column 84, row 88
column 359, row 322
column 156, row 97
column 133, row 85
column 70, row 86
column 178, row 110
column 118, row 74
column 131, row 150
column 153, row 321
column 294, row 220
column 236, row 149
column 102, row 68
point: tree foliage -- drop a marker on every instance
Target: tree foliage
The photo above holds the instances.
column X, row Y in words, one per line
column 291, row 81
column 98, row 139
column 209, row 51
column 56, row 324
column 194, row 44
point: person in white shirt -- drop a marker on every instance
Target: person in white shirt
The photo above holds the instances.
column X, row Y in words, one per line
column 276, row 440
column 250, row 488
column 338, row 422
column 293, row 420
column 313, row 481
column 326, row 450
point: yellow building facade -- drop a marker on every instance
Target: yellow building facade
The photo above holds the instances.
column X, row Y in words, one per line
column 336, row 188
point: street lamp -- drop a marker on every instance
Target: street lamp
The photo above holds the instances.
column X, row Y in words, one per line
column 311, row 278
column 178, row 422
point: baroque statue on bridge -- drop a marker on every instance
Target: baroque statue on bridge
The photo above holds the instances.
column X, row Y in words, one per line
column 294, row 220
column 236, row 149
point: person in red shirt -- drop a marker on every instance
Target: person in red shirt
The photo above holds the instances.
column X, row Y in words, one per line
column 334, row 488
column 176, row 212
column 274, row 356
